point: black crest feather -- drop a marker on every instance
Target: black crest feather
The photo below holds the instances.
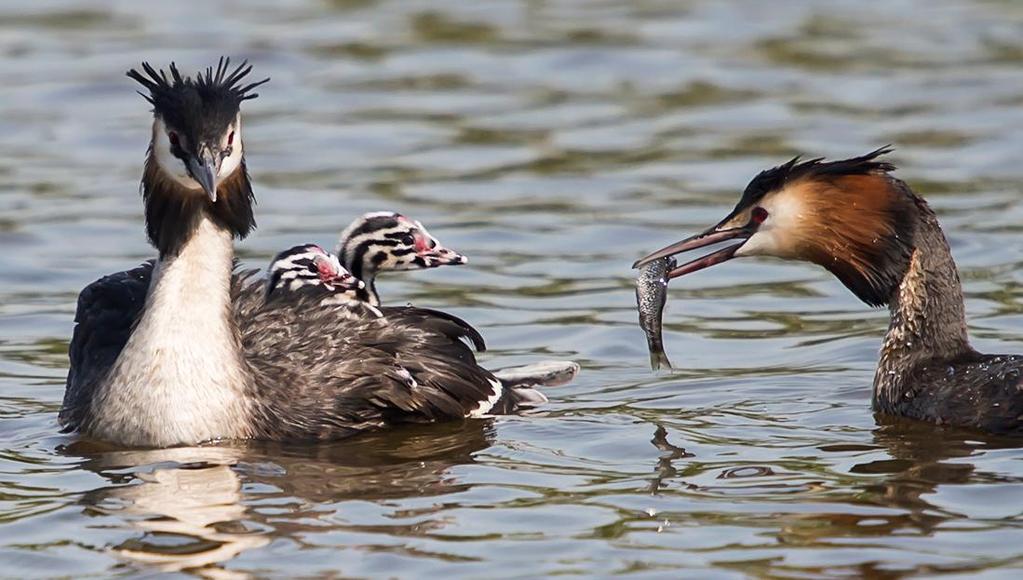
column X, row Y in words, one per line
column 201, row 107
column 870, row 255
column 219, row 82
column 775, row 178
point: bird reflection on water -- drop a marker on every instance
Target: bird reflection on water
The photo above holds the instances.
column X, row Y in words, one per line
column 196, row 508
column 912, row 464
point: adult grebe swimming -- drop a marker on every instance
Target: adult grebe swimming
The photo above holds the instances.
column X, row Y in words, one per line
column 191, row 358
column 883, row 242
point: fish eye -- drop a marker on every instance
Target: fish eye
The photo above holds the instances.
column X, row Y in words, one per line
column 408, row 239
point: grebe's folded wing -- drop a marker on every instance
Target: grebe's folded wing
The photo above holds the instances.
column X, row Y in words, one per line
column 437, row 321
column 107, row 310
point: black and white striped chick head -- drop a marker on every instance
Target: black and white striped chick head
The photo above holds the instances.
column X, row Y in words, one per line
column 382, row 241
column 309, row 270
column 390, row 241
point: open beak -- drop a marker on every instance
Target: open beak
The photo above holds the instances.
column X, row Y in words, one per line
column 707, row 238
column 203, row 169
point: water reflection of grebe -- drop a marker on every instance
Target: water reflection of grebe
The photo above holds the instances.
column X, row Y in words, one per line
column 187, row 502
column 195, row 514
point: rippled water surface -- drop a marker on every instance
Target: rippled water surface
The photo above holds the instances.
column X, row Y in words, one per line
column 554, row 142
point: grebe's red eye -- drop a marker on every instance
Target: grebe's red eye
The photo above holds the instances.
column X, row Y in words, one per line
column 759, row 215
column 173, row 137
column 230, row 139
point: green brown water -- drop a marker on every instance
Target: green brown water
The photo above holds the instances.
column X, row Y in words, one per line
column 553, row 142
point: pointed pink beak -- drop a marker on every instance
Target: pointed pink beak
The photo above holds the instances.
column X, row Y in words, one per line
column 348, row 282
column 332, row 274
column 441, row 256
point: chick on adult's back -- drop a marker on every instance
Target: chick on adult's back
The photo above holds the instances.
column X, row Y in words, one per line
column 191, row 359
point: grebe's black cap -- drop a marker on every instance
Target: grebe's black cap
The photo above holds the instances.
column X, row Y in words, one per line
column 203, row 107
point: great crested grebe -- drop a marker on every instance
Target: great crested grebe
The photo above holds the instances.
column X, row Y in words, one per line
column 384, row 241
column 181, row 352
column 884, row 243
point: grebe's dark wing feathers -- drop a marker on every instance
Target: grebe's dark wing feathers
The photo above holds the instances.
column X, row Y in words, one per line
column 342, row 376
column 437, row 321
column 247, row 293
column 107, row 310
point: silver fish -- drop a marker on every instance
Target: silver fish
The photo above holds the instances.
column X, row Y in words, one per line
column 651, row 294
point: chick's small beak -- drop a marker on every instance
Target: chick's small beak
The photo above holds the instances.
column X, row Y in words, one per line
column 441, row 256
column 203, row 169
column 707, row 238
column 349, row 282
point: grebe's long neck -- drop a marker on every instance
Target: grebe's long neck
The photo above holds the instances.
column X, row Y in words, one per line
column 928, row 321
column 181, row 377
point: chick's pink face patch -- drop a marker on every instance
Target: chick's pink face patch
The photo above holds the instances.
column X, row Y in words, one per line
column 422, row 243
column 327, row 270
